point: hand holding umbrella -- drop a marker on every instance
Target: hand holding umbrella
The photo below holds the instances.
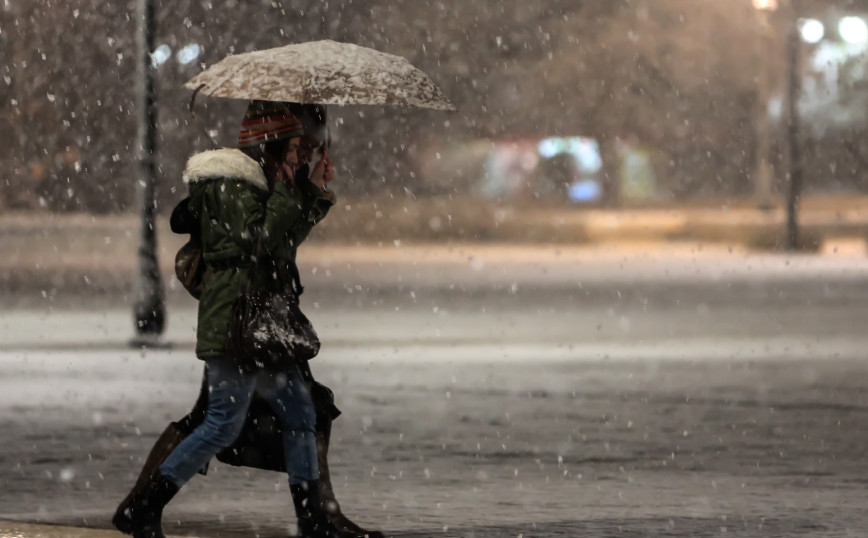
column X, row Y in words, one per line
column 323, row 171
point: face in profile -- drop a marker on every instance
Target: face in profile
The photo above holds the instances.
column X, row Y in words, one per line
column 310, row 149
column 291, row 158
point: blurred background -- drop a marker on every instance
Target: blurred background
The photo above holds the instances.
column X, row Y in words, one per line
column 617, row 102
column 577, row 120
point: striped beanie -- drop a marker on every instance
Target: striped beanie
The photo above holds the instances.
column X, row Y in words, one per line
column 267, row 121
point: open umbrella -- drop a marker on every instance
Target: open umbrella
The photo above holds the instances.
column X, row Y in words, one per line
column 325, row 72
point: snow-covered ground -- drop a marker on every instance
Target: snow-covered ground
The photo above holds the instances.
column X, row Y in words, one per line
column 528, row 403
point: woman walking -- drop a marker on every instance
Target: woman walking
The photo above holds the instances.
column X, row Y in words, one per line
column 241, row 197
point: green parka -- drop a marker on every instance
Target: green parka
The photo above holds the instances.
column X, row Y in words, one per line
column 230, row 199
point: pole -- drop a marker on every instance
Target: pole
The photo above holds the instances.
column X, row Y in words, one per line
column 794, row 190
column 763, row 170
column 149, row 308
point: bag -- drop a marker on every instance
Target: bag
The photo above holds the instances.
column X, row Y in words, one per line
column 267, row 328
column 190, row 269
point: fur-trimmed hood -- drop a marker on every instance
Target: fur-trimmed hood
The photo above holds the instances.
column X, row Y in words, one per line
column 224, row 163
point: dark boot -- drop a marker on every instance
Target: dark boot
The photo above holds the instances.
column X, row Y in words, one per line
column 166, row 443
column 327, row 493
column 142, row 518
column 326, row 411
column 313, row 520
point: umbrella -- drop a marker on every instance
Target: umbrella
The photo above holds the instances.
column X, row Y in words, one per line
column 324, row 72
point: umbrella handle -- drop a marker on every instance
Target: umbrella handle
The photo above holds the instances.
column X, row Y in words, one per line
column 193, row 99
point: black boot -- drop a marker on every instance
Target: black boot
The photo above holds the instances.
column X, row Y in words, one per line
column 326, row 411
column 168, row 440
column 327, row 494
column 142, row 517
column 313, row 518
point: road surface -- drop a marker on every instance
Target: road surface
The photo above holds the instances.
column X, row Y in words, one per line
column 708, row 395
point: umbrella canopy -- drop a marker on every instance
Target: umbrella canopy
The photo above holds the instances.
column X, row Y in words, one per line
column 325, row 72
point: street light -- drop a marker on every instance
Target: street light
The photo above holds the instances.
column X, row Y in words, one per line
column 149, row 309
column 794, row 155
column 765, row 5
column 762, row 176
column 853, row 30
column 812, row 30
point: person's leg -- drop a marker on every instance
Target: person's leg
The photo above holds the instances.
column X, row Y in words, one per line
column 326, row 411
column 289, row 398
column 229, row 396
column 196, row 416
column 166, row 443
column 288, row 395
column 171, row 437
column 229, row 391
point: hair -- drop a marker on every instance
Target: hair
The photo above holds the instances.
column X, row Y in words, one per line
column 314, row 119
column 269, row 156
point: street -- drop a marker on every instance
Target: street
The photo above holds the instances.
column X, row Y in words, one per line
column 709, row 395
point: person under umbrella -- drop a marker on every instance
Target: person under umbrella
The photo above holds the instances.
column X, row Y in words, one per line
column 259, row 445
column 239, row 196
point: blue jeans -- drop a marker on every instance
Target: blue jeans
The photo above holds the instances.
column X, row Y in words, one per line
column 229, row 393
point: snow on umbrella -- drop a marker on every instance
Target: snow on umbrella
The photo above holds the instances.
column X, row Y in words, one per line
column 325, row 72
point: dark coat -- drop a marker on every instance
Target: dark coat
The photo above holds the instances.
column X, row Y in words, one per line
column 231, row 202
column 228, row 207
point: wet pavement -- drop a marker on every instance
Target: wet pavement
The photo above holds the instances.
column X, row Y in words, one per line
column 640, row 407
column 496, row 446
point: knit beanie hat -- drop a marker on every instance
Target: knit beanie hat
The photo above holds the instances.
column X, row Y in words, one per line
column 267, row 121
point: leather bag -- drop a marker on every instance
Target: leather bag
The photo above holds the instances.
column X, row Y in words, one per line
column 190, row 268
column 268, row 329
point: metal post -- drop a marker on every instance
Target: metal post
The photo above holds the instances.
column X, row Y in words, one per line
column 794, row 190
column 149, row 309
column 763, row 168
